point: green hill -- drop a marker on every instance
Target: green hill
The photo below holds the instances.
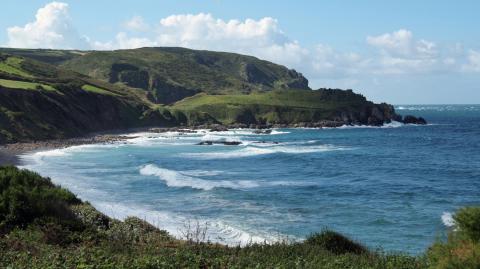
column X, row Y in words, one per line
column 60, row 93
column 171, row 74
column 40, row 101
column 288, row 107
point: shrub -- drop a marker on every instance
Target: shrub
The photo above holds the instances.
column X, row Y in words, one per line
column 25, row 196
column 467, row 220
column 462, row 248
column 335, row 243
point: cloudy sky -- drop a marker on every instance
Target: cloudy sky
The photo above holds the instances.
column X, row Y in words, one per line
column 408, row 52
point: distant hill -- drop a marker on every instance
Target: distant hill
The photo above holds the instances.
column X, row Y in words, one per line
column 171, row 74
column 64, row 93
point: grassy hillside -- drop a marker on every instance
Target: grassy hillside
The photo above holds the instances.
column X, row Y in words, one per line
column 170, row 74
column 287, row 107
column 41, row 101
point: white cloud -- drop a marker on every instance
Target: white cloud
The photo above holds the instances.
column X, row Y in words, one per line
column 473, row 62
column 122, row 41
column 136, row 23
column 52, row 28
column 327, row 62
column 262, row 38
column 398, row 42
column 398, row 52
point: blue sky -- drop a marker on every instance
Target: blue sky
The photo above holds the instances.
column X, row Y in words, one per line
column 402, row 52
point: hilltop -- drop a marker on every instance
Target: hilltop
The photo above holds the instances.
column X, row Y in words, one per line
column 47, row 94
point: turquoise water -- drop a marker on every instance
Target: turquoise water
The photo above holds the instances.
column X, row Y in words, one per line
column 392, row 187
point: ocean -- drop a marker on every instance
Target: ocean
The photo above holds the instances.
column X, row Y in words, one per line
column 393, row 187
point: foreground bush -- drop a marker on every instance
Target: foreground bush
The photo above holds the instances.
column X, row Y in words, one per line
column 25, row 197
column 336, row 243
column 467, row 221
column 462, row 248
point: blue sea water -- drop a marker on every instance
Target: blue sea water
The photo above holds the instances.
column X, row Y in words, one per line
column 393, row 187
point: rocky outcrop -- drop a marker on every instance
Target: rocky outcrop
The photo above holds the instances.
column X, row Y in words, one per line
column 129, row 74
column 166, row 93
column 226, row 143
column 409, row 119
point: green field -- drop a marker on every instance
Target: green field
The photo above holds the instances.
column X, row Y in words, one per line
column 95, row 89
column 286, row 98
column 12, row 65
column 15, row 84
column 279, row 106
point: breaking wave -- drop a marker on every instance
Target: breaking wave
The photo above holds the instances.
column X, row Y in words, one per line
column 254, row 151
column 179, row 179
column 447, row 219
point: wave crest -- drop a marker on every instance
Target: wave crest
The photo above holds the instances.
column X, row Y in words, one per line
column 447, row 219
column 250, row 151
column 178, row 179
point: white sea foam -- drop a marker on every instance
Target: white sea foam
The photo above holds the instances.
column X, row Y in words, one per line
column 392, row 124
column 262, row 150
column 202, row 173
column 447, row 219
column 40, row 156
column 217, row 230
column 179, row 179
column 439, row 107
column 220, row 138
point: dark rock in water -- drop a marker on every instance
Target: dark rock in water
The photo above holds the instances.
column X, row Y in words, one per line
column 226, row 143
column 232, row 143
column 218, row 128
column 267, row 142
column 409, row 119
column 260, row 131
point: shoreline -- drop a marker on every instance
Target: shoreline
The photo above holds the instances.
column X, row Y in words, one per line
column 10, row 153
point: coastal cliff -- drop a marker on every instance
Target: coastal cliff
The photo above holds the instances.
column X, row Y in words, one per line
column 49, row 94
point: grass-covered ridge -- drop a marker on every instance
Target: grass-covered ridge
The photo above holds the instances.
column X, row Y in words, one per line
column 40, row 101
column 171, row 74
column 17, row 84
column 95, row 89
column 12, row 65
column 285, row 107
column 44, row 226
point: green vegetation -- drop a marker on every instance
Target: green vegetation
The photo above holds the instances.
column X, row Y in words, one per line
column 91, row 88
column 280, row 107
column 58, row 103
column 44, row 226
column 183, row 72
column 24, row 85
column 462, row 248
column 12, row 65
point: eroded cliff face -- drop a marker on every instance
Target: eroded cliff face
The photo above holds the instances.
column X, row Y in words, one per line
column 159, row 90
column 37, row 115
